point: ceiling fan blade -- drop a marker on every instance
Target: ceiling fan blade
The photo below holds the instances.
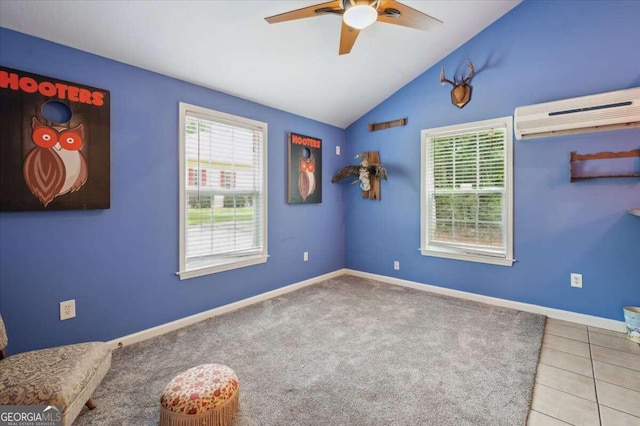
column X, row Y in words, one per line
column 307, row 12
column 408, row 17
column 348, row 37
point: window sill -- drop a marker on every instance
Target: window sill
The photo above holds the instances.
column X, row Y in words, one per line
column 193, row 273
column 468, row 257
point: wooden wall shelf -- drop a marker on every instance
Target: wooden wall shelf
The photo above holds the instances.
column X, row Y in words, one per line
column 575, row 157
column 627, row 175
column 387, row 124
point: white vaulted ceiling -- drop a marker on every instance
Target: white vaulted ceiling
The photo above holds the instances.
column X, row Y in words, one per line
column 228, row 46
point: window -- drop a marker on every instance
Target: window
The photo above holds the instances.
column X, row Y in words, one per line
column 223, row 225
column 467, row 192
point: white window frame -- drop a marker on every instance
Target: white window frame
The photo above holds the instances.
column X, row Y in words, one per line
column 230, row 262
column 460, row 253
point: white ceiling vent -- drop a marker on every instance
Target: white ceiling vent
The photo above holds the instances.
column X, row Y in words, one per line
column 604, row 111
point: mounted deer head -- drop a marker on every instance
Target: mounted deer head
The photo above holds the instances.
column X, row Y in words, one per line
column 461, row 92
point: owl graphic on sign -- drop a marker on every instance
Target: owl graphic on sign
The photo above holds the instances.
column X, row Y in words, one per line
column 56, row 165
column 307, row 178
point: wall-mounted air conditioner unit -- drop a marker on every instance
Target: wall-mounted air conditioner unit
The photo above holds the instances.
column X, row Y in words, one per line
column 605, row 111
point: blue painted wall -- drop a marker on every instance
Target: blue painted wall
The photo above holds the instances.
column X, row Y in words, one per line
column 120, row 264
column 538, row 52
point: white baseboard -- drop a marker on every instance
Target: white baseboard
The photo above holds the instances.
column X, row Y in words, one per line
column 192, row 319
column 589, row 320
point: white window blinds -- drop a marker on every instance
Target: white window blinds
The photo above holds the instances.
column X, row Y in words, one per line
column 224, row 197
column 467, row 194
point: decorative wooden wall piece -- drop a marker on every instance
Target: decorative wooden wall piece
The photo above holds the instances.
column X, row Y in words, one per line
column 372, row 157
column 387, row 124
column 577, row 165
column 368, row 174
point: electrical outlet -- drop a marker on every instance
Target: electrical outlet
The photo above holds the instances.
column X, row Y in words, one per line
column 305, row 256
column 396, row 265
column 576, row 280
column 337, row 150
column 67, row 309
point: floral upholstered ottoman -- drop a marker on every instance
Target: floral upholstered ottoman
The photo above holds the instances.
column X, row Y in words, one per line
column 204, row 395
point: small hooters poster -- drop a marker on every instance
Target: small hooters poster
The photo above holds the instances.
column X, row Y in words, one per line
column 54, row 143
column 305, row 169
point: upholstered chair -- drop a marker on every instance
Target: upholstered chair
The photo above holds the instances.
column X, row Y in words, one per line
column 64, row 376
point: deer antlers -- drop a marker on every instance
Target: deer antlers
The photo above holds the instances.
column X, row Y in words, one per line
column 464, row 80
column 461, row 92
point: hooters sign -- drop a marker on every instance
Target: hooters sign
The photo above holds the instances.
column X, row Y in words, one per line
column 305, row 169
column 54, row 143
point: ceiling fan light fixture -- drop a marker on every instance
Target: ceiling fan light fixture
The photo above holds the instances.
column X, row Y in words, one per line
column 360, row 16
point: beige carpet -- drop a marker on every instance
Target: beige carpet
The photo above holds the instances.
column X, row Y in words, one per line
column 347, row 351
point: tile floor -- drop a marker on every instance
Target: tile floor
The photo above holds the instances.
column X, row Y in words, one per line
column 586, row 376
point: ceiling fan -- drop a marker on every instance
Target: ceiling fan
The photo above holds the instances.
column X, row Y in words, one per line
column 359, row 14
